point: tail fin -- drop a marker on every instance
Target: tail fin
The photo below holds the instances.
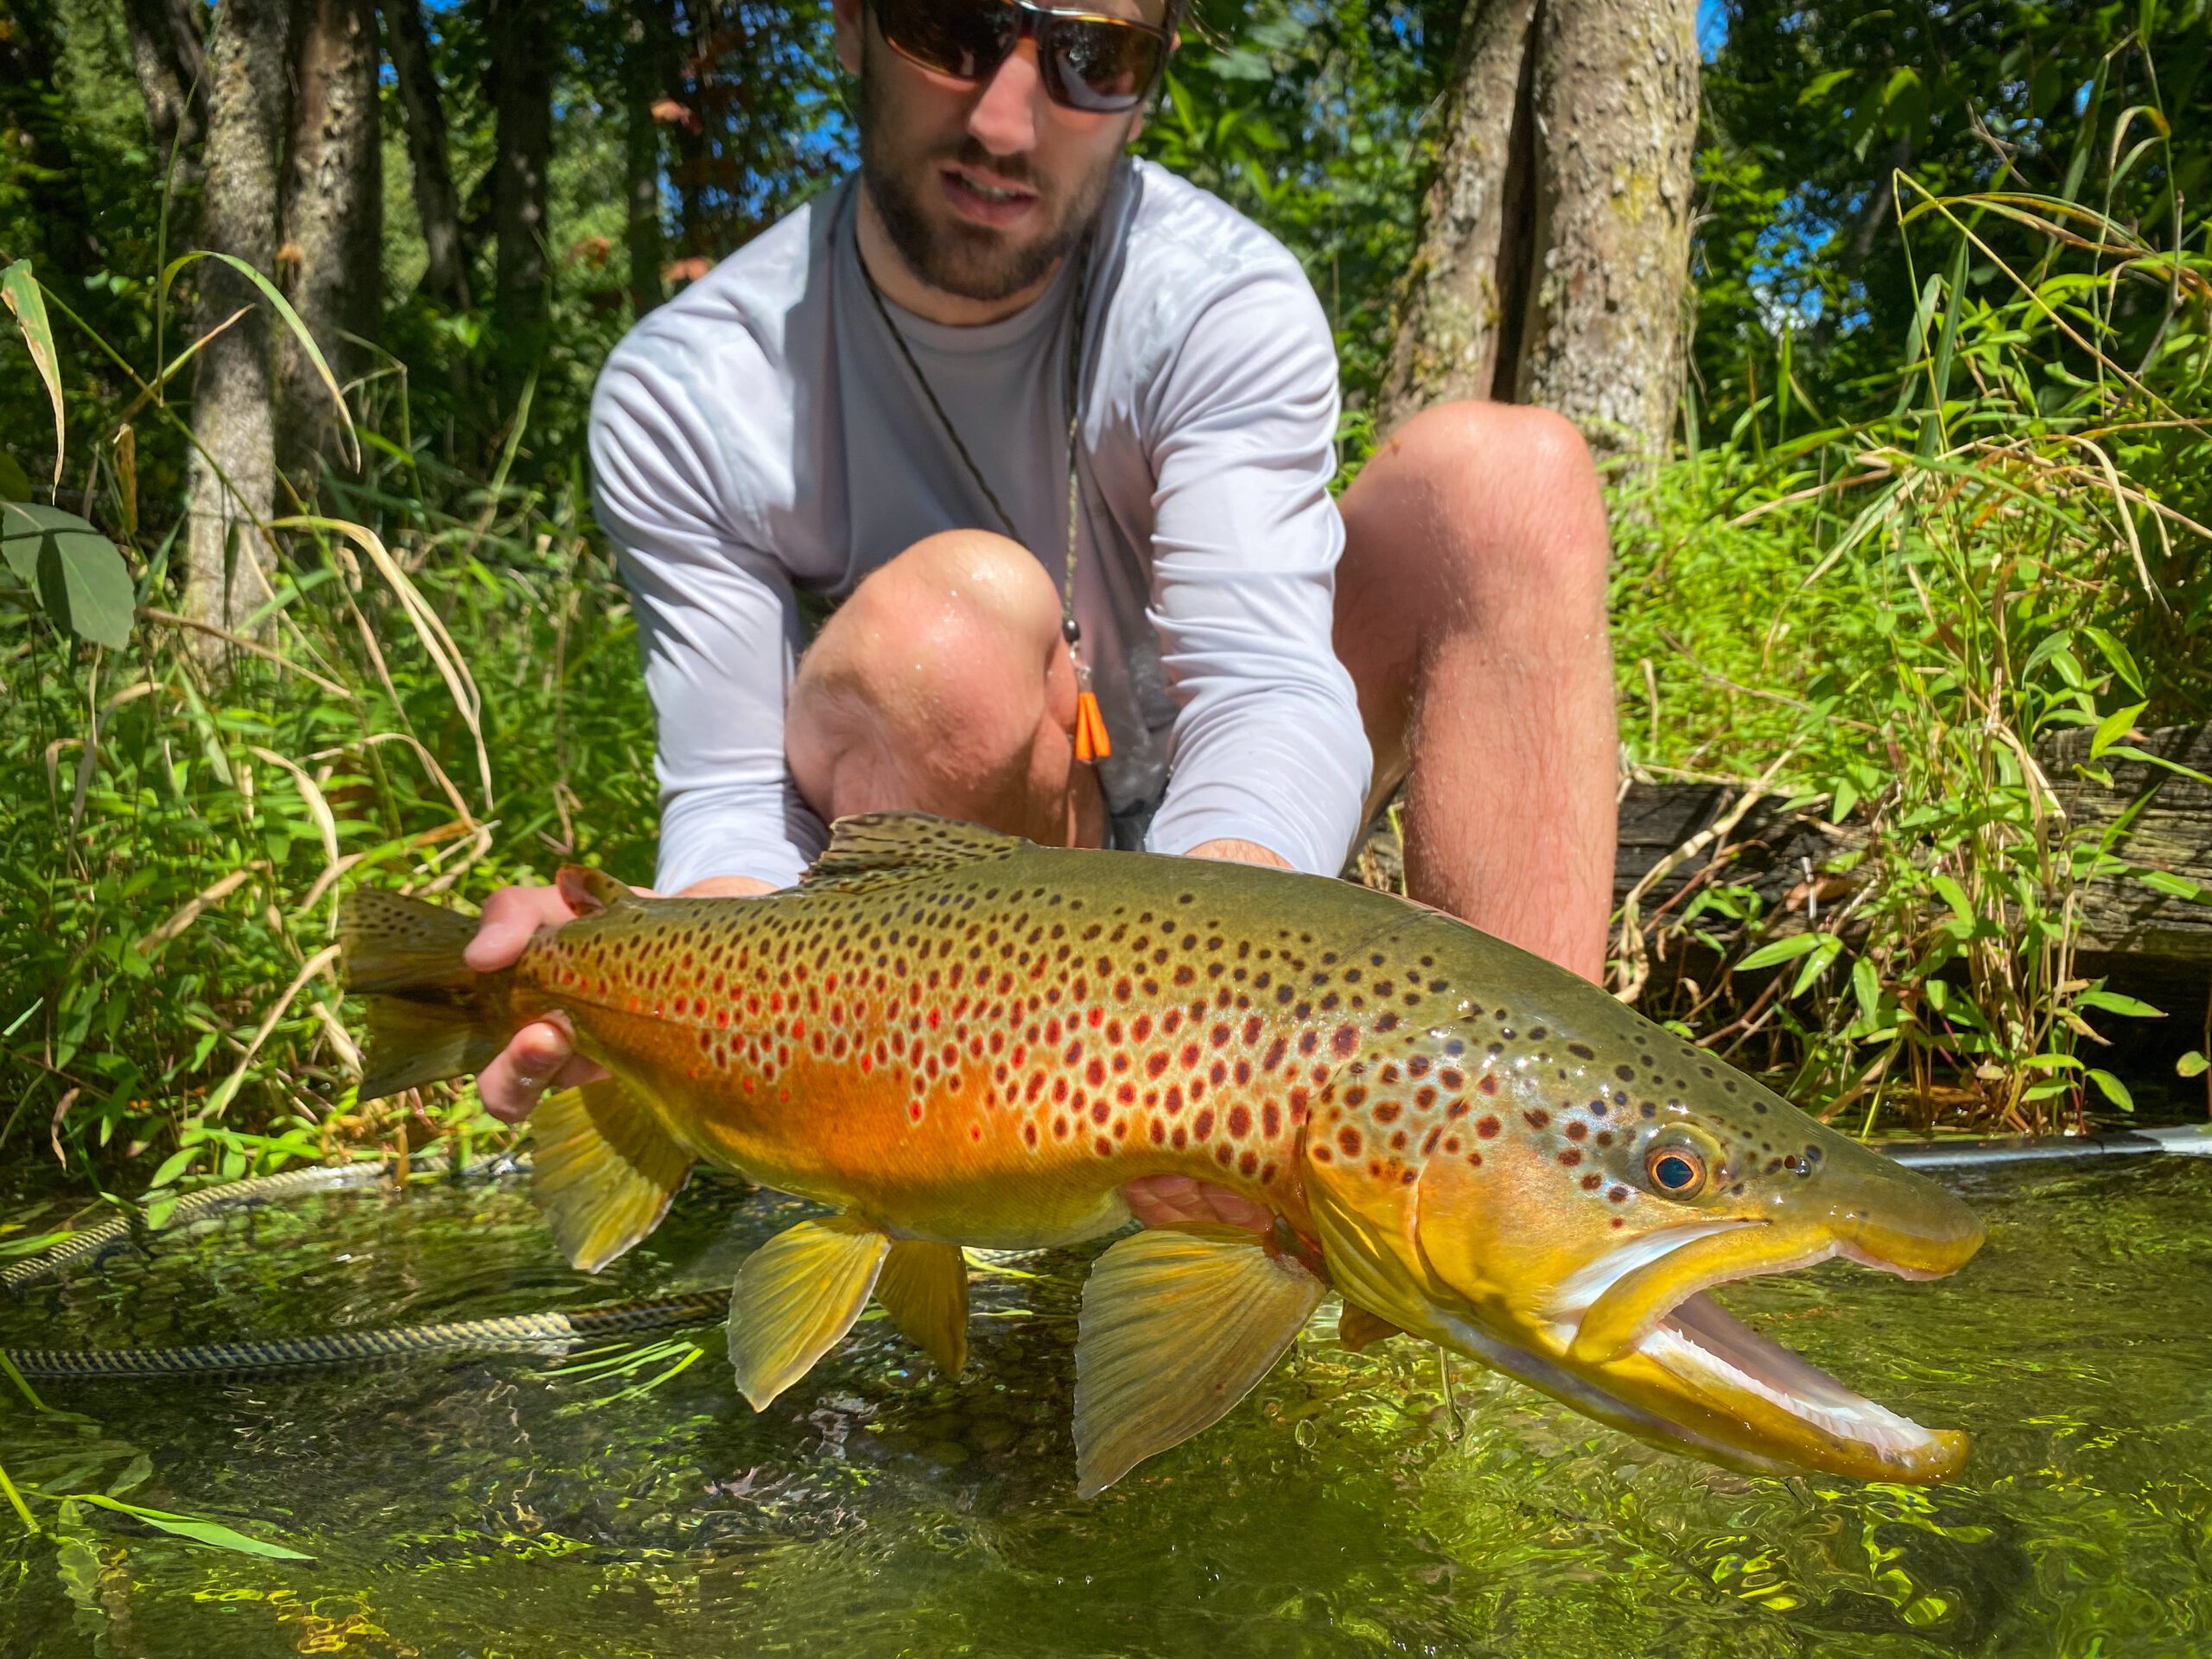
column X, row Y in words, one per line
column 427, row 1015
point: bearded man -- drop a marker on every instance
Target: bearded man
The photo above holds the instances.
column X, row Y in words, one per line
column 1052, row 431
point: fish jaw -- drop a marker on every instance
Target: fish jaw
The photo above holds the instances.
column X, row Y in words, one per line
column 1639, row 1325
column 1603, row 1304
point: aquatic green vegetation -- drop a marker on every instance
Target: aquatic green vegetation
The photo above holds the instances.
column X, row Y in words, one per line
column 1350, row 1506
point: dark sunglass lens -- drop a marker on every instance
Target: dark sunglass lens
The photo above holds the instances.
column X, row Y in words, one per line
column 966, row 38
column 1097, row 65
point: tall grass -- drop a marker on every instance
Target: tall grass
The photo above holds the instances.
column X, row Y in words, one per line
column 443, row 693
column 1881, row 621
column 1876, row 621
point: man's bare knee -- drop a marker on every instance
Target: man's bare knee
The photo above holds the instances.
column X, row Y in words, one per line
column 928, row 686
column 1476, row 500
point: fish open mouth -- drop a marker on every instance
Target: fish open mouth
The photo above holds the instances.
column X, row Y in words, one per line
column 1644, row 1306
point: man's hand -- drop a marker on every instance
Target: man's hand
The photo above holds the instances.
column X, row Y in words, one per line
column 542, row 1053
column 1239, row 852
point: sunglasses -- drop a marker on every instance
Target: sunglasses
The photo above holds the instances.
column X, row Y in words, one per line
column 1089, row 61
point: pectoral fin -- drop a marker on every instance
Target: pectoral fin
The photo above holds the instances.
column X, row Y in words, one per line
column 795, row 1296
column 1357, row 1327
column 603, row 1173
column 924, row 1287
column 1178, row 1324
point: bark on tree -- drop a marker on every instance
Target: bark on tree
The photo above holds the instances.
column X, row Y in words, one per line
column 428, row 155
column 522, row 108
column 334, row 226
column 647, row 37
column 1554, row 266
column 167, row 58
column 233, row 464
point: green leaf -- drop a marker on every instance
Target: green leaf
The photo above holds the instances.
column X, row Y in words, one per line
column 80, row 579
column 1816, row 962
column 172, row 1166
column 186, row 1526
column 2192, row 1064
column 1787, row 950
column 2115, row 726
column 14, row 483
column 2122, row 660
column 1955, row 897
column 2114, row 1089
column 2113, row 1002
column 2174, row 887
column 21, row 290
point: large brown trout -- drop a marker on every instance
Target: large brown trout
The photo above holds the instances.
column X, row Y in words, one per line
column 951, row 1037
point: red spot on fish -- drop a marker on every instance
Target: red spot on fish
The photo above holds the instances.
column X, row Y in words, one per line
column 1101, row 1112
column 1202, row 1125
column 1240, row 1121
column 1488, row 1128
column 932, row 1019
column 1348, row 1139
column 1103, row 1146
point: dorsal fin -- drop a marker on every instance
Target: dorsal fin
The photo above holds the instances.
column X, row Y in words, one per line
column 589, row 891
column 877, row 849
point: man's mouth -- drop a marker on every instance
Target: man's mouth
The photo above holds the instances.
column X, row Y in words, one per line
column 982, row 197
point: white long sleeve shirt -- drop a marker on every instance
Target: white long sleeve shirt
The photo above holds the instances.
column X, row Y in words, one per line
column 761, row 434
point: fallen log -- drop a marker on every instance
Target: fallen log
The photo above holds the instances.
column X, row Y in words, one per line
column 1781, row 855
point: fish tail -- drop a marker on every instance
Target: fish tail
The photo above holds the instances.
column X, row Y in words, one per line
column 430, row 1016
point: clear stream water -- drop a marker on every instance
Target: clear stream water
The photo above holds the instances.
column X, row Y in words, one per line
column 495, row 1507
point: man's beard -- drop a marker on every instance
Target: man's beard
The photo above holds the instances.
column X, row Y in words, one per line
column 971, row 261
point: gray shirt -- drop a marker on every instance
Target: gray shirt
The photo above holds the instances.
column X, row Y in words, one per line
column 760, row 433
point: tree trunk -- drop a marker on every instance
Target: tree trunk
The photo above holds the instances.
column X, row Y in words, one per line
column 1556, row 261
column 334, row 225
column 1464, row 280
column 522, row 106
column 233, row 465
column 436, row 203
column 647, row 39
column 168, row 59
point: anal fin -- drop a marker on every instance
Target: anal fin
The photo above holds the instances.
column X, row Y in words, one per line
column 1178, row 1324
column 795, row 1296
column 603, row 1173
column 1356, row 1328
column 924, row 1287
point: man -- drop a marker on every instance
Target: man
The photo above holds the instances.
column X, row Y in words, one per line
column 838, row 407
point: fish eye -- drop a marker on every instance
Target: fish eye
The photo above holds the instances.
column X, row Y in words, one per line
column 1675, row 1170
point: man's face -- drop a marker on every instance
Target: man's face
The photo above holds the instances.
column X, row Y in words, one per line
column 983, row 186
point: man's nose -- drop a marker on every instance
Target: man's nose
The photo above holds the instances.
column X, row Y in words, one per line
column 1004, row 119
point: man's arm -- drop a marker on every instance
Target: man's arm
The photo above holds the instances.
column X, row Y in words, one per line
column 1267, row 749
column 717, row 626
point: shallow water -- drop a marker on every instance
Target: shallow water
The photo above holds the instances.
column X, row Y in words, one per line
column 488, row 1507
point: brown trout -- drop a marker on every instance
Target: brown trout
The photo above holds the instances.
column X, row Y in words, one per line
column 951, row 1037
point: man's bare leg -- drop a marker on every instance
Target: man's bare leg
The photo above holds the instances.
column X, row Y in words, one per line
column 942, row 685
column 1471, row 610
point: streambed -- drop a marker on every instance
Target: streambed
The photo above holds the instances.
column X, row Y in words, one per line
column 528, row 1506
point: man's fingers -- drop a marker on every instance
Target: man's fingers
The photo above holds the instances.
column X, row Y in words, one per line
column 510, row 1086
column 510, row 915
